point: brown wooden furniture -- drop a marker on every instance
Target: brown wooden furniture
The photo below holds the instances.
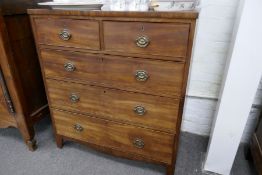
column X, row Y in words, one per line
column 256, row 146
column 23, row 100
column 117, row 80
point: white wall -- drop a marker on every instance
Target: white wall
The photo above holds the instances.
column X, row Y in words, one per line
column 213, row 37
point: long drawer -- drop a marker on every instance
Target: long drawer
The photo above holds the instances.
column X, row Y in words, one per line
column 165, row 39
column 164, row 78
column 153, row 145
column 68, row 33
column 143, row 110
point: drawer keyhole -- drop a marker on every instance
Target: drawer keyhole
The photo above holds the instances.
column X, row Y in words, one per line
column 142, row 28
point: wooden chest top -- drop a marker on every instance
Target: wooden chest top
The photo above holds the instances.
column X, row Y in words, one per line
column 164, row 15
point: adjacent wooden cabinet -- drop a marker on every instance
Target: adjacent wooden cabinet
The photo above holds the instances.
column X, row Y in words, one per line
column 23, row 100
column 256, row 145
column 116, row 81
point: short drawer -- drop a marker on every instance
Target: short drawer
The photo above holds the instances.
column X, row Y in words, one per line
column 68, row 33
column 149, row 111
column 164, row 78
column 165, row 39
column 153, row 145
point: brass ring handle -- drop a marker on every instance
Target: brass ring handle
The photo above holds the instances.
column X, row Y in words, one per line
column 74, row 98
column 78, row 128
column 69, row 67
column 139, row 143
column 142, row 41
column 140, row 110
column 65, row 35
column 141, row 75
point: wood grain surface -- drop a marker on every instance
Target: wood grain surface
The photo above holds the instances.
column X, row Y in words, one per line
column 161, row 113
column 165, row 39
column 84, row 33
column 157, row 146
column 165, row 78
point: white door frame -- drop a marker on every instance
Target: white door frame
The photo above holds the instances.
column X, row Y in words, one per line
column 242, row 77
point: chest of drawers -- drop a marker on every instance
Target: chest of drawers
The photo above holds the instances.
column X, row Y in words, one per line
column 116, row 81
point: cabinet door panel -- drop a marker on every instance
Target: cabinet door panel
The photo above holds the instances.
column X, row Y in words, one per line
column 6, row 106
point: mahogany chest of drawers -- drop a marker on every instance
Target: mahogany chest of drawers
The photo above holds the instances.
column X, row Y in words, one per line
column 116, row 81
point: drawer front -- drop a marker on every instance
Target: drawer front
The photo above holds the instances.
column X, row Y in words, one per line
column 143, row 110
column 166, row 39
column 153, row 145
column 139, row 75
column 68, row 33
